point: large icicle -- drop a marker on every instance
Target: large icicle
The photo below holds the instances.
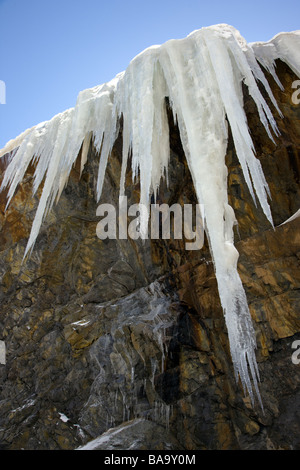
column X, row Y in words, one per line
column 202, row 76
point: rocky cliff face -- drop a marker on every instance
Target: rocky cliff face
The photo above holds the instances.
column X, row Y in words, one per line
column 126, row 340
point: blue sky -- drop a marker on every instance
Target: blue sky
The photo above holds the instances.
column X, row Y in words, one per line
column 51, row 50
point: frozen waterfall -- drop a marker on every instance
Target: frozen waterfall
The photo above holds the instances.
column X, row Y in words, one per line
column 202, row 76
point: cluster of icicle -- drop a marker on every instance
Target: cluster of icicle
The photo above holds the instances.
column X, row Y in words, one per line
column 202, row 77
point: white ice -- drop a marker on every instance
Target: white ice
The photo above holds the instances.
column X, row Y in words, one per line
column 202, row 75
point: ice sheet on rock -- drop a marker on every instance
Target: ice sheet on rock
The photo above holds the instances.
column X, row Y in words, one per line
column 2, row 352
column 202, row 76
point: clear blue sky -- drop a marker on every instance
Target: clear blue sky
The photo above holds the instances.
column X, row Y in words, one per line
column 51, row 50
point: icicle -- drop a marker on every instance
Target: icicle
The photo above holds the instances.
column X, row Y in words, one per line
column 284, row 46
column 202, row 76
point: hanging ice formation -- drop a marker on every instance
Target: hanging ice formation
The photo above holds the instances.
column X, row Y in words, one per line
column 202, row 76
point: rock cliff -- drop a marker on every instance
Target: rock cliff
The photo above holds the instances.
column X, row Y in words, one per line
column 126, row 339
